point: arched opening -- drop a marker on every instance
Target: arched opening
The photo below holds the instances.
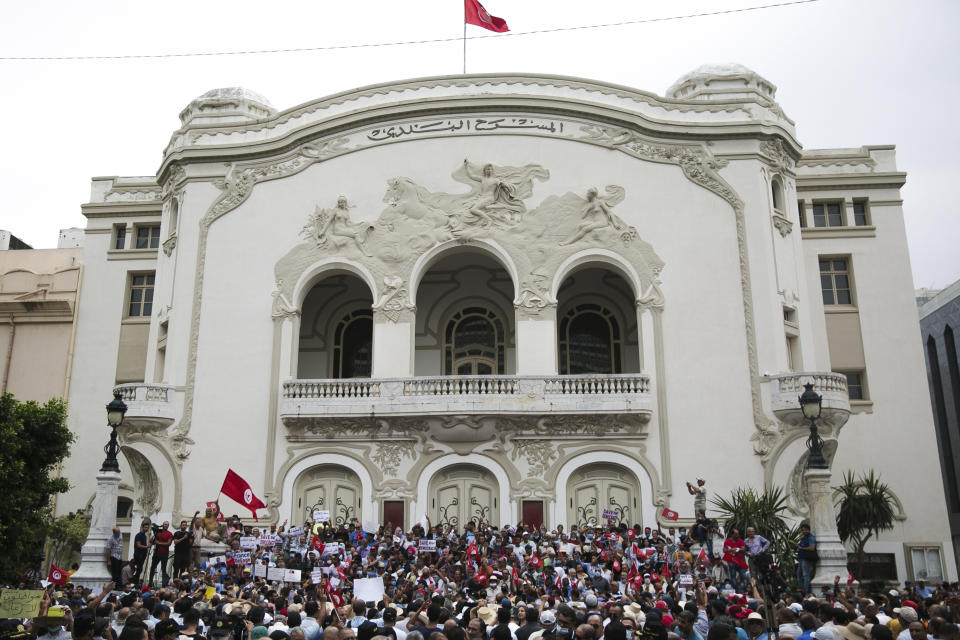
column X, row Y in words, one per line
column 331, row 488
column 336, row 329
column 465, row 317
column 776, row 189
column 597, row 488
column 596, row 325
column 464, row 493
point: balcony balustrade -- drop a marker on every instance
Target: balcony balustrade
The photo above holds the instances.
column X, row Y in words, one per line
column 150, row 407
column 478, row 395
column 785, row 390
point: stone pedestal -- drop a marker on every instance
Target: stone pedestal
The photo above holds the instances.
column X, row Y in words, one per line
column 823, row 523
column 94, row 569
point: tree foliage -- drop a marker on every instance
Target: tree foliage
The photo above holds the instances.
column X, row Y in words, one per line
column 866, row 507
column 67, row 534
column 34, row 439
column 765, row 511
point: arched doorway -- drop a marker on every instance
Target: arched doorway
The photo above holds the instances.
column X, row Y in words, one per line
column 336, row 329
column 597, row 487
column 328, row 488
column 464, row 493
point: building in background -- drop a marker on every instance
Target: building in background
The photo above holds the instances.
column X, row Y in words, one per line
column 505, row 298
column 939, row 320
column 9, row 241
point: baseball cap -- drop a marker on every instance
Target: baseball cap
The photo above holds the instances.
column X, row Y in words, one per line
column 220, row 627
column 166, row 628
column 548, row 618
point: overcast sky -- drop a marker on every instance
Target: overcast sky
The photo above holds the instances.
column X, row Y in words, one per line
column 849, row 72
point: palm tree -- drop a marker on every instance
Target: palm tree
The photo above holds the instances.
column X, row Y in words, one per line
column 866, row 507
column 766, row 512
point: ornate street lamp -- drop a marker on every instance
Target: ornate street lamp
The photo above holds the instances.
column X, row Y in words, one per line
column 115, row 412
column 811, row 404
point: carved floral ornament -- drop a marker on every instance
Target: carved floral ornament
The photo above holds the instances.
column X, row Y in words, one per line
column 493, row 212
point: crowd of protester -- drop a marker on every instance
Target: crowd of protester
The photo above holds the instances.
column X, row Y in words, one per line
column 481, row 583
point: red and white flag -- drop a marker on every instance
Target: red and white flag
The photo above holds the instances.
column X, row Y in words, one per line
column 57, row 575
column 535, row 561
column 238, row 489
column 474, row 13
column 215, row 509
column 669, row 514
column 318, row 545
column 702, row 557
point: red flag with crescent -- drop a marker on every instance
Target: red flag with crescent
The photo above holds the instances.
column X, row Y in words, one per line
column 57, row 575
column 238, row 489
column 474, row 13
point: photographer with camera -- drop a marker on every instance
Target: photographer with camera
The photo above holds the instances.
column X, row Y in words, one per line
column 162, row 538
column 140, row 548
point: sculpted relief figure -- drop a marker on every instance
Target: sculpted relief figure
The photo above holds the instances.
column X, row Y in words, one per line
column 597, row 213
column 498, row 192
column 334, row 226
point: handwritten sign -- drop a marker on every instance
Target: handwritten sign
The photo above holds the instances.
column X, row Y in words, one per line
column 428, row 545
column 266, row 540
column 610, row 514
column 291, row 575
column 686, row 579
column 241, row 557
column 248, row 542
column 295, row 532
column 20, row 604
column 216, row 560
column 275, row 573
column 260, row 571
column 321, row 515
column 316, row 576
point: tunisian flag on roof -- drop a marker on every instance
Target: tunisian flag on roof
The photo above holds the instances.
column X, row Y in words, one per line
column 236, row 488
column 474, row 13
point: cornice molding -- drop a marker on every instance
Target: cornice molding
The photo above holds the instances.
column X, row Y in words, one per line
column 838, row 181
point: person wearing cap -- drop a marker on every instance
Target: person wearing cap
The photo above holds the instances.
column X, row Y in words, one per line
column 221, row 627
column 548, row 622
column 755, row 626
column 166, row 630
column 905, row 616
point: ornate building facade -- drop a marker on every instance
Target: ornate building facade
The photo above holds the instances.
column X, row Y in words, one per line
column 503, row 298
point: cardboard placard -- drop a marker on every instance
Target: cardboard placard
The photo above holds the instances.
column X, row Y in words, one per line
column 685, row 579
column 275, row 573
column 241, row 557
column 215, row 561
column 248, row 542
column 316, row 576
column 295, row 532
column 260, row 571
column 16, row 603
column 266, row 540
column 368, row 589
column 209, row 593
column 610, row 514
column 321, row 515
column 428, row 545
column 291, row 575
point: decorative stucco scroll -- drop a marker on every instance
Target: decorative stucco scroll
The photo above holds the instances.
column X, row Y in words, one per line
column 147, row 496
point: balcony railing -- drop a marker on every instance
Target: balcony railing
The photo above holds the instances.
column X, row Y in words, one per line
column 615, row 393
column 785, row 390
column 149, row 406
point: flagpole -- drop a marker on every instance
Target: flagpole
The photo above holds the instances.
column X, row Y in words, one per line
column 464, row 38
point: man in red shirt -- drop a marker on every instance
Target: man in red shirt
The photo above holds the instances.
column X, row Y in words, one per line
column 161, row 552
column 733, row 555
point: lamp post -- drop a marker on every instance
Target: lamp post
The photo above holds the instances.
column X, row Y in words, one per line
column 94, row 568
column 811, row 403
column 831, row 552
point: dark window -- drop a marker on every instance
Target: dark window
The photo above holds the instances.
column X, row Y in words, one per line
column 589, row 341
column 474, row 343
column 827, row 214
column 942, row 424
column 124, row 507
column 860, row 213
column 121, row 238
column 876, row 566
column 353, row 345
column 148, row 237
column 835, row 281
column 141, row 295
column 855, row 385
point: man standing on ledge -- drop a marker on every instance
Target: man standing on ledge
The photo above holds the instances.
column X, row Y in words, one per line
column 161, row 552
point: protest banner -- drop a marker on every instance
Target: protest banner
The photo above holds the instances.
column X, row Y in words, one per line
column 291, row 575
column 241, row 557
column 260, row 571
column 610, row 514
column 316, row 576
column 248, row 542
column 266, row 540
column 20, row 603
column 428, row 545
column 368, row 589
column 321, row 515
column 275, row 573
column 295, row 532
column 216, row 561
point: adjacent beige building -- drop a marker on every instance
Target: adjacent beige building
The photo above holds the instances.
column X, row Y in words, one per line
column 502, row 298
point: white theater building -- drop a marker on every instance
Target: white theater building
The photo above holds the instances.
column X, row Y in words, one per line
column 503, row 297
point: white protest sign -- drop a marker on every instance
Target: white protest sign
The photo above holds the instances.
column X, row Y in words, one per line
column 686, row 579
column 370, row 527
column 248, row 542
column 316, row 576
column 428, row 545
column 216, row 560
column 332, row 547
column 321, row 515
column 609, row 514
column 368, row 589
column 334, row 582
column 266, row 540
column 291, row 575
column 241, row 557
column 294, row 531
column 260, row 571
column 275, row 573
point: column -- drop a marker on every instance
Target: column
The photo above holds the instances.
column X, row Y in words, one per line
column 536, row 340
column 94, row 570
column 823, row 524
column 393, row 343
